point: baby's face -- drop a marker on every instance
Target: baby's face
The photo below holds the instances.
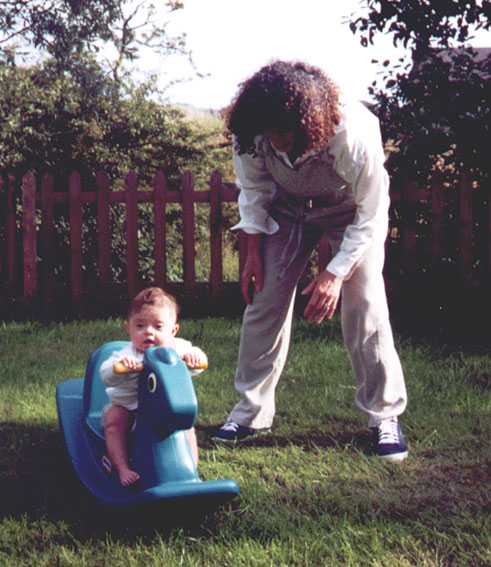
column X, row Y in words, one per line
column 152, row 327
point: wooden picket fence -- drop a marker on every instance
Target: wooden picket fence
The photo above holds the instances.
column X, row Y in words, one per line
column 439, row 226
column 33, row 238
column 419, row 242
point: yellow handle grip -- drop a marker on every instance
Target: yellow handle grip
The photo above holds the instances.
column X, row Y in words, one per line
column 120, row 368
column 202, row 365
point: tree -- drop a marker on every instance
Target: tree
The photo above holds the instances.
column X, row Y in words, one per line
column 434, row 109
column 68, row 30
column 421, row 24
column 67, row 100
column 51, row 121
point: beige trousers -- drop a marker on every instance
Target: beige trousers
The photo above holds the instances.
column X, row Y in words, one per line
column 380, row 388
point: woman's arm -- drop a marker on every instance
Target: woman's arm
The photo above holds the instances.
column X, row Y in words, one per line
column 359, row 158
column 257, row 188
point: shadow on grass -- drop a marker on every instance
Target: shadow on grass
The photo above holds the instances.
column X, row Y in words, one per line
column 37, row 482
column 35, row 479
column 343, row 434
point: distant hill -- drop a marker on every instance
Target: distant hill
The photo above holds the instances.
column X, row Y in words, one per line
column 197, row 112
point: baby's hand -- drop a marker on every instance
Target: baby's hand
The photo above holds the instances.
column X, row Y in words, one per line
column 128, row 364
column 195, row 360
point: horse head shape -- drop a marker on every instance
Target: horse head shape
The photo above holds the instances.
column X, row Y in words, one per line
column 167, row 406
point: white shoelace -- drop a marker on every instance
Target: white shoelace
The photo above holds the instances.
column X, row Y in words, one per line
column 388, row 432
column 230, row 426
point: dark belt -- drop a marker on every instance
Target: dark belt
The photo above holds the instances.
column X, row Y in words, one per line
column 315, row 202
column 297, row 201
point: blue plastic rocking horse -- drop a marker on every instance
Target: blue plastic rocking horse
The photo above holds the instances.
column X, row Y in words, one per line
column 158, row 448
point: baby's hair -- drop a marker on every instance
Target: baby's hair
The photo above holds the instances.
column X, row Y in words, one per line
column 152, row 297
column 285, row 95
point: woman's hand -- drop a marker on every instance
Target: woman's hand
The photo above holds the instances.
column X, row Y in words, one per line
column 325, row 289
column 253, row 267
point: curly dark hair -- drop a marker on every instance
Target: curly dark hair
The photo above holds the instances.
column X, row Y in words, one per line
column 285, row 95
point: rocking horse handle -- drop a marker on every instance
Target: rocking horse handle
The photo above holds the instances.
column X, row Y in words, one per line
column 120, row 368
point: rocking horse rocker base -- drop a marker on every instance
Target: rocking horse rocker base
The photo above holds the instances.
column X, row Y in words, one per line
column 158, row 448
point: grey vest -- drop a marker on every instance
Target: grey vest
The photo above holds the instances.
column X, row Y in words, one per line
column 315, row 177
column 311, row 193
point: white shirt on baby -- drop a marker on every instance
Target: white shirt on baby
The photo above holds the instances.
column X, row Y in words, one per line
column 123, row 388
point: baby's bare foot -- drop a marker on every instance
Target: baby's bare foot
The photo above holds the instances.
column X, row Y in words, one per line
column 128, row 477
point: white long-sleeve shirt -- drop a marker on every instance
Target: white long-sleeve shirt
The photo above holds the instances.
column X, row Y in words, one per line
column 357, row 156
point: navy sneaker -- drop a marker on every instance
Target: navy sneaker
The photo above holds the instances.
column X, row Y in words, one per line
column 389, row 442
column 232, row 433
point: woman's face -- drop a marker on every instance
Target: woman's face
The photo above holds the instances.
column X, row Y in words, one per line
column 282, row 140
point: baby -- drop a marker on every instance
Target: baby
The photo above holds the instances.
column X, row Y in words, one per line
column 152, row 322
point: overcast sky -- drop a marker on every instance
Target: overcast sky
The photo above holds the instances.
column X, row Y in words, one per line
column 231, row 39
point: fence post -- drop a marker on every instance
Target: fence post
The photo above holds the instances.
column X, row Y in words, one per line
column 47, row 241
column 437, row 207
column 75, row 206
column 465, row 228
column 159, row 210
column 216, row 260
column 409, row 228
column 131, row 184
column 188, row 234
column 29, row 236
column 103, row 230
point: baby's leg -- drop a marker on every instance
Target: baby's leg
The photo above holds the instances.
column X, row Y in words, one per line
column 193, row 444
column 117, row 423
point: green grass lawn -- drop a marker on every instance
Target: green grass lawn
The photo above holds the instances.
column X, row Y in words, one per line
column 311, row 493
